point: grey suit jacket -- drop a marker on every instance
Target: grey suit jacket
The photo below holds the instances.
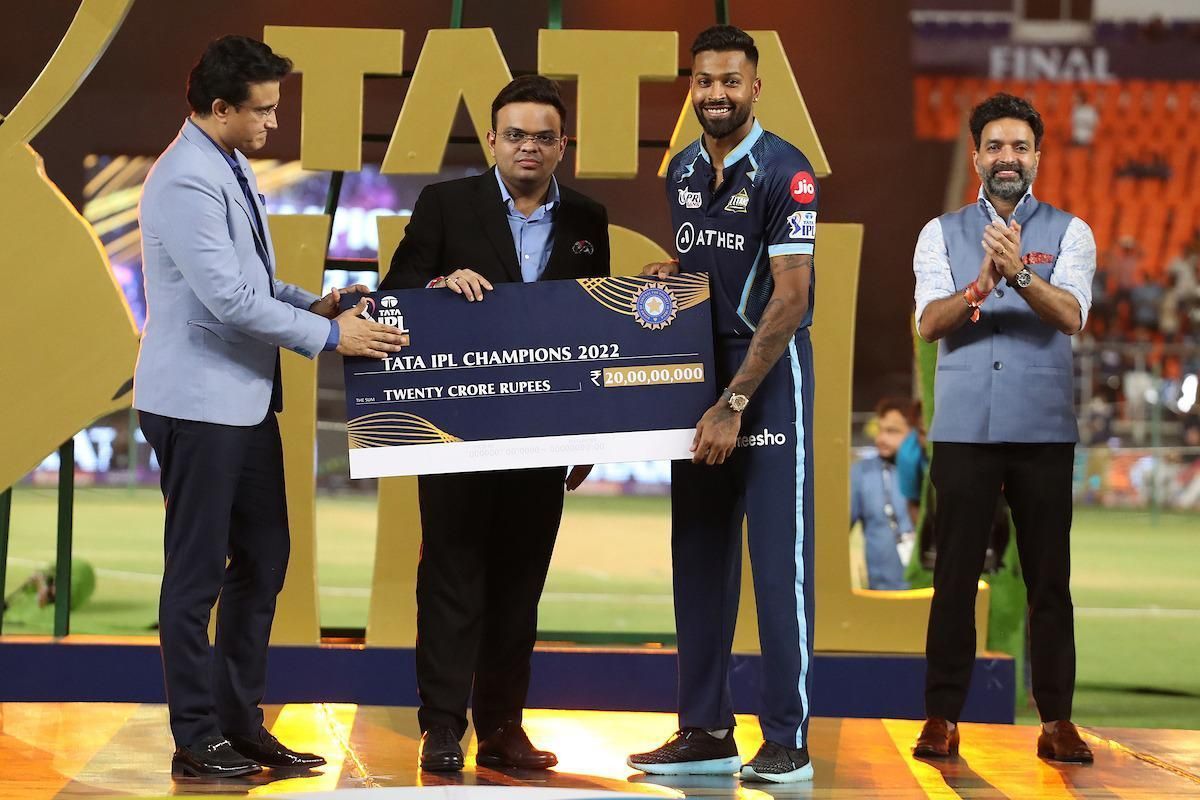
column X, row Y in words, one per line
column 213, row 327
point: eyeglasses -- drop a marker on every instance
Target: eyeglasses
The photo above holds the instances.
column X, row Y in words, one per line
column 516, row 137
column 262, row 112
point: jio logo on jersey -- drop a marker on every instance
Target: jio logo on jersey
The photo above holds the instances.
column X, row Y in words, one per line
column 804, row 188
column 685, row 238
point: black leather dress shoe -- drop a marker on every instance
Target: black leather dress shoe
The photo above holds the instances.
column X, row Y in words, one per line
column 440, row 751
column 211, row 758
column 265, row 749
column 508, row 746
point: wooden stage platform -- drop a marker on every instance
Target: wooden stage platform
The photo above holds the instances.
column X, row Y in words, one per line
column 93, row 750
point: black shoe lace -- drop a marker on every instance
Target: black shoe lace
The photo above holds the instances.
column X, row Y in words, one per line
column 442, row 737
column 686, row 734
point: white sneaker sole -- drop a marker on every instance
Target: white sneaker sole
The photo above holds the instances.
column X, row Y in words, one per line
column 805, row 773
column 714, row 766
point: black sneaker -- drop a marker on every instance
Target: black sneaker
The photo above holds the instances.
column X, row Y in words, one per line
column 778, row 764
column 691, row 751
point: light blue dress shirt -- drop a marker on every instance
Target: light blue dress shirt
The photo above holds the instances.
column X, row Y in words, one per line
column 874, row 490
column 533, row 236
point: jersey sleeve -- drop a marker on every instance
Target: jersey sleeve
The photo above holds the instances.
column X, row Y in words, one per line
column 791, row 214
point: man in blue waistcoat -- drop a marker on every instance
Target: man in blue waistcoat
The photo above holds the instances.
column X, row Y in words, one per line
column 1002, row 284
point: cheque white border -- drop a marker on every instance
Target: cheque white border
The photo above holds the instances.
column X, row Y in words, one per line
column 537, row 451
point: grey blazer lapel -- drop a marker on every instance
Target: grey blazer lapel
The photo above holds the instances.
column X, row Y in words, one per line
column 224, row 175
column 262, row 212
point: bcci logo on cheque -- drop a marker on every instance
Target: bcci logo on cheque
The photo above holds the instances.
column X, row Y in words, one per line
column 655, row 306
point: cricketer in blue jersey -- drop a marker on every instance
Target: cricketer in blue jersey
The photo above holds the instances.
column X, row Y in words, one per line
column 744, row 209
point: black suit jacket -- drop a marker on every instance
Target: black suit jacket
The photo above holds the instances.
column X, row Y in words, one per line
column 502, row 523
column 462, row 224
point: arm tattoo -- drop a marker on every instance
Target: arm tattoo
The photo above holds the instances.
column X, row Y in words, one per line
column 781, row 264
column 782, row 316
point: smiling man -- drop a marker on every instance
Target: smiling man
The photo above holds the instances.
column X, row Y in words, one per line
column 1002, row 285
column 487, row 537
column 744, row 209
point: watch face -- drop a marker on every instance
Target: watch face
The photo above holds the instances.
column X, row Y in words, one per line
column 1024, row 278
column 738, row 402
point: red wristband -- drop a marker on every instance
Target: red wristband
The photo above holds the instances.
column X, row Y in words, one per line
column 974, row 299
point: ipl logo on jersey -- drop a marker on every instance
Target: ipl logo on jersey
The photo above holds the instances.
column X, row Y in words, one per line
column 655, row 306
column 802, row 225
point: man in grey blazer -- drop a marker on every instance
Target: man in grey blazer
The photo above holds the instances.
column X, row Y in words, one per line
column 207, row 386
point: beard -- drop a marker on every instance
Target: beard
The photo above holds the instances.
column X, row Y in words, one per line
column 720, row 128
column 1008, row 189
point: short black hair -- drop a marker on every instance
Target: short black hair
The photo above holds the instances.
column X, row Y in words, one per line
column 723, row 38
column 906, row 408
column 531, row 89
column 227, row 68
column 1006, row 106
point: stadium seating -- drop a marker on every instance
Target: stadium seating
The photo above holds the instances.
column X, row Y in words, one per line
column 1139, row 120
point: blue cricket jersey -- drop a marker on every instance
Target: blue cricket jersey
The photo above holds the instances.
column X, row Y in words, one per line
column 766, row 206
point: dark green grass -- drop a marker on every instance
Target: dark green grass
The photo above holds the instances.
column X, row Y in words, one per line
column 1134, row 585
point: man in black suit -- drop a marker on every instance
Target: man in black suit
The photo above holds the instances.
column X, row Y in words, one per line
column 488, row 537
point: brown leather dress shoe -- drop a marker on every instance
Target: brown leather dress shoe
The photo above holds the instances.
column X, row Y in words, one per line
column 1065, row 744
column 508, row 746
column 936, row 740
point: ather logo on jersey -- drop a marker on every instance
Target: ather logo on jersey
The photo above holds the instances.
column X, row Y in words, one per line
column 688, row 237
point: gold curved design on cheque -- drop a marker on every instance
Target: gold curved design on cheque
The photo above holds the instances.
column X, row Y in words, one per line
column 620, row 294
column 388, row 428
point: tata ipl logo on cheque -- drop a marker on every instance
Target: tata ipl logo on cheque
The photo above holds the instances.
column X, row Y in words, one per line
column 386, row 312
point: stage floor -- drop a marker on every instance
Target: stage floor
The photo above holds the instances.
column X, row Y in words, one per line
column 114, row 750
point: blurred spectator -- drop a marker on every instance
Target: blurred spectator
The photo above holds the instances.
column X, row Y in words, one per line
column 1098, row 418
column 1155, row 30
column 877, row 502
column 1122, row 261
column 1146, row 296
column 1101, row 297
column 1168, row 310
column 1191, row 428
column 1182, row 269
column 1154, row 165
column 1084, row 121
column 912, row 462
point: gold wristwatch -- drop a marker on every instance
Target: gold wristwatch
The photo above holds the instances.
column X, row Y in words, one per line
column 737, row 402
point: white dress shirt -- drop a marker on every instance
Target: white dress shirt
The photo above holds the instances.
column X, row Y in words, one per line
column 1073, row 269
